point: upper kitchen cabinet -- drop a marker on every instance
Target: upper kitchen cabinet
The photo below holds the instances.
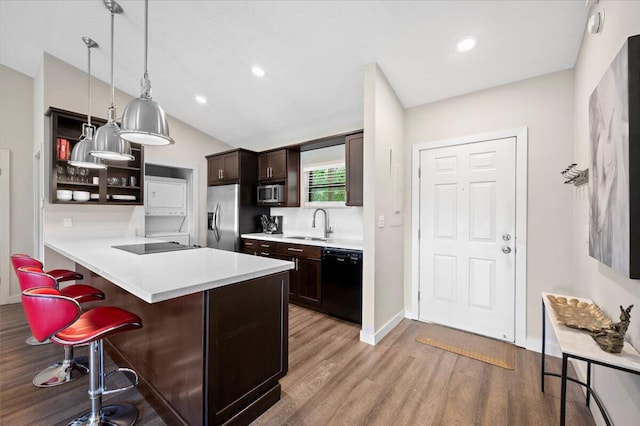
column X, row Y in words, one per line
column 121, row 183
column 273, row 165
column 354, row 161
column 282, row 166
column 223, row 168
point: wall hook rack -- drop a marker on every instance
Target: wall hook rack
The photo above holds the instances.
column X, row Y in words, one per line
column 575, row 176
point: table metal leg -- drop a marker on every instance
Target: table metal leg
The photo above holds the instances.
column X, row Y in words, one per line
column 563, row 390
column 543, row 349
column 588, row 382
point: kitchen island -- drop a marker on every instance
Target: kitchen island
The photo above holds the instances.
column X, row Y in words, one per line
column 215, row 325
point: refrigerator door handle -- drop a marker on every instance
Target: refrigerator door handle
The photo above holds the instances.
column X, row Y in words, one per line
column 216, row 222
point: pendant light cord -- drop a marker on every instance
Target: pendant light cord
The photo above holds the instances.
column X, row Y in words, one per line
column 113, row 90
column 89, row 71
column 146, row 34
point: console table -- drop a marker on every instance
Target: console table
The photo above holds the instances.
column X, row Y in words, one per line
column 578, row 344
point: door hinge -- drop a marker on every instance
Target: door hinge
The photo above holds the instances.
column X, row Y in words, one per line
column 418, row 233
column 418, row 296
column 419, row 172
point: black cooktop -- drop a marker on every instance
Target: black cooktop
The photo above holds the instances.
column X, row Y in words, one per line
column 150, row 248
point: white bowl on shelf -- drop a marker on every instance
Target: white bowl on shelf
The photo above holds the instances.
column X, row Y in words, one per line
column 81, row 195
column 64, row 195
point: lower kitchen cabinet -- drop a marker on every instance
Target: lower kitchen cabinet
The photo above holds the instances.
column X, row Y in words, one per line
column 305, row 279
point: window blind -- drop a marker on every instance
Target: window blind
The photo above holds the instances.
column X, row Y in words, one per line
column 326, row 184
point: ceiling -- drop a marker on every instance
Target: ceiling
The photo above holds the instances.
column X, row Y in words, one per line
column 314, row 54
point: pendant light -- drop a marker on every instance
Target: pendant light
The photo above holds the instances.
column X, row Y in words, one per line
column 80, row 156
column 143, row 120
column 107, row 143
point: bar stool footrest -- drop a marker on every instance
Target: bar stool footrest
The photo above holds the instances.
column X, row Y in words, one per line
column 128, row 374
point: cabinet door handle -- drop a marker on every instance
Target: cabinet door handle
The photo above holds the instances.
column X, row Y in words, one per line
column 295, row 249
column 248, row 244
column 264, row 253
column 295, row 259
column 265, row 245
column 222, row 173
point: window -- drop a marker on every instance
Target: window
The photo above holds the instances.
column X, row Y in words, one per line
column 325, row 185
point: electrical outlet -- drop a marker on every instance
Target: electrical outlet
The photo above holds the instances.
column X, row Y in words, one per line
column 67, row 222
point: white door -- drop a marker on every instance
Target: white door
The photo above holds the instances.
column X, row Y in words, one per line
column 467, row 227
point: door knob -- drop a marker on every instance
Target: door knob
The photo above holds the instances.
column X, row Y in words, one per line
column 506, row 237
column 506, row 250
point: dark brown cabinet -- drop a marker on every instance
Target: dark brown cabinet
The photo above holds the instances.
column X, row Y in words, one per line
column 223, row 168
column 273, row 165
column 354, row 167
column 121, row 183
column 282, row 166
column 305, row 278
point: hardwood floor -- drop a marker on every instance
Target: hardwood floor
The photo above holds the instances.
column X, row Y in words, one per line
column 333, row 379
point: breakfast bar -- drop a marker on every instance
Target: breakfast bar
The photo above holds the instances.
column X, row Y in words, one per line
column 214, row 340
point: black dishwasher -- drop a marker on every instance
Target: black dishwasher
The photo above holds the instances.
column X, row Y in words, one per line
column 342, row 283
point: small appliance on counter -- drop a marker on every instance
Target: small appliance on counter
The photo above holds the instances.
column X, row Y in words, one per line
column 271, row 224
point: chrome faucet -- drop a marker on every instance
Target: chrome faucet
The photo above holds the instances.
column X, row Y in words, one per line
column 327, row 228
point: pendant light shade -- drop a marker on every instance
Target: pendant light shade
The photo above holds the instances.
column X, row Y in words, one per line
column 143, row 120
column 80, row 156
column 107, row 143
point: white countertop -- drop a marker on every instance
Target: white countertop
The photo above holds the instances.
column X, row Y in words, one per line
column 162, row 276
column 580, row 343
column 286, row 238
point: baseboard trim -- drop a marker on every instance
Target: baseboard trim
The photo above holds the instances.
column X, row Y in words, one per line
column 374, row 338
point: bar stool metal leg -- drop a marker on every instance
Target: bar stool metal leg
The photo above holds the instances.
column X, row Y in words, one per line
column 62, row 372
column 116, row 414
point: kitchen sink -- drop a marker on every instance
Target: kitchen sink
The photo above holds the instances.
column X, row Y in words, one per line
column 309, row 238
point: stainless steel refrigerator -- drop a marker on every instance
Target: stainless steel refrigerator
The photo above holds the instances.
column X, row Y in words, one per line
column 230, row 213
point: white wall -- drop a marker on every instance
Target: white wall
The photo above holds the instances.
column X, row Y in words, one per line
column 345, row 221
column 591, row 279
column 16, row 135
column 383, row 305
column 66, row 87
column 544, row 105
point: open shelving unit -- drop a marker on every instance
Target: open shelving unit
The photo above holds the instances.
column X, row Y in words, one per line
column 68, row 125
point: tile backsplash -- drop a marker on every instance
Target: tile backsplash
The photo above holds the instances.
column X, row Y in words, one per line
column 345, row 221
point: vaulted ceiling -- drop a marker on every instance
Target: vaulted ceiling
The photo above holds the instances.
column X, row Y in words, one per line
column 313, row 54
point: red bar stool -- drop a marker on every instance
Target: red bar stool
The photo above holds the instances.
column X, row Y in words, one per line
column 52, row 315
column 69, row 368
column 61, row 275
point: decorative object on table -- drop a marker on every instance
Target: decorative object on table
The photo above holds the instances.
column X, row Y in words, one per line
column 107, row 143
column 576, row 314
column 573, row 176
column 143, row 120
column 614, row 125
column 611, row 339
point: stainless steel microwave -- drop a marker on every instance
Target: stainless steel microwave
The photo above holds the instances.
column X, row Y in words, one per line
column 271, row 194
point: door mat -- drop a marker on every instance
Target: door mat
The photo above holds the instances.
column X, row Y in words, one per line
column 470, row 345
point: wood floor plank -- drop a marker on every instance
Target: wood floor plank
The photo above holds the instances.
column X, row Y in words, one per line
column 333, row 379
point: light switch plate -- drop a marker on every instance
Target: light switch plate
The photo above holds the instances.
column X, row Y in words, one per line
column 67, row 222
column 380, row 221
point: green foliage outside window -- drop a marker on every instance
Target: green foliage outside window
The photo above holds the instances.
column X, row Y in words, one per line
column 326, row 185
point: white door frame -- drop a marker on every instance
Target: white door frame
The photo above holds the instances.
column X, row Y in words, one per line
column 5, row 228
column 520, row 239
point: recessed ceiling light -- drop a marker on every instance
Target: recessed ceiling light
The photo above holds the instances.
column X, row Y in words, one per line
column 257, row 71
column 201, row 99
column 466, row 44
